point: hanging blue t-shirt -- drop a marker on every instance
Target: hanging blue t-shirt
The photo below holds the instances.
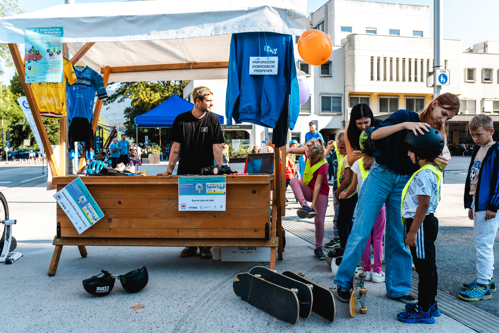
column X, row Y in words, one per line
column 124, row 146
column 81, row 95
column 261, row 99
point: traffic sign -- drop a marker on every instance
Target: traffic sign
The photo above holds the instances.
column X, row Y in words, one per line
column 442, row 77
column 7, row 144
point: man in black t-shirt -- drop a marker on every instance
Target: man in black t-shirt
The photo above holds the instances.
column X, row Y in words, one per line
column 197, row 139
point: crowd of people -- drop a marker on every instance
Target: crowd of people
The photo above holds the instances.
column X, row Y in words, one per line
column 386, row 185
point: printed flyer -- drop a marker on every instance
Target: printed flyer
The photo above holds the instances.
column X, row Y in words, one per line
column 43, row 54
column 202, row 193
column 79, row 205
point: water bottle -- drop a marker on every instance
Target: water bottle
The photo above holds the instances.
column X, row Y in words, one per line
column 263, row 148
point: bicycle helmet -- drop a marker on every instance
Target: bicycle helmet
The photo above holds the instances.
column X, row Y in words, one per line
column 427, row 146
column 366, row 143
column 135, row 280
column 99, row 285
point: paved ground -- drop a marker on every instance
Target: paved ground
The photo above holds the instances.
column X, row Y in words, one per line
column 192, row 295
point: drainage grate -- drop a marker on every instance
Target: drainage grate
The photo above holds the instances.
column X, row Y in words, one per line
column 462, row 312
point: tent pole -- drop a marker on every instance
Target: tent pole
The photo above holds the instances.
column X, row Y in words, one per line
column 81, row 52
column 137, row 143
column 16, row 56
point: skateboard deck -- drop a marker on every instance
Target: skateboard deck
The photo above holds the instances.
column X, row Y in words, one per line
column 323, row 303
column 304, row 293
column 358, row 288
column 275, row 300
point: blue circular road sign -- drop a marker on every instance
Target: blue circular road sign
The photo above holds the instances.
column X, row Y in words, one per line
column 443, row 78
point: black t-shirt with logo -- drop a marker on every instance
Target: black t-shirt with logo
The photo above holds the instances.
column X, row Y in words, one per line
column 196, row 138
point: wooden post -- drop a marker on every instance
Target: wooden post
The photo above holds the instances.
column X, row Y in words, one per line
column 55, row 260
column 16, row 56
column 83, row 251
column 278, row 198
column 81, row 52
column 282, row 190
column 95, row 120
column 63, row 132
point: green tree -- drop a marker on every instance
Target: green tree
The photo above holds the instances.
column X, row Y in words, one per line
column 8, row 8
column 145, row 96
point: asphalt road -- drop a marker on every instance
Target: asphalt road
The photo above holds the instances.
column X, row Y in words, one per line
column 20, row 175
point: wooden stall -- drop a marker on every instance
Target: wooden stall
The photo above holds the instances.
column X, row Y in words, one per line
column 143, row 211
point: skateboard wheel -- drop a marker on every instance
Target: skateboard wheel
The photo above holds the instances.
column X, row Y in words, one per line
column 301, row 274
column 363, row 310
column 311, row 286
column 363, row 291
column 362, row 275
column 258, row 275
column 295, row 290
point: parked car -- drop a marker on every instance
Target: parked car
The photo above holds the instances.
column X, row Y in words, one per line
column 22, row 154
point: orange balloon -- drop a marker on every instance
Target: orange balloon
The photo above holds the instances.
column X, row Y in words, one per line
column 315, row 47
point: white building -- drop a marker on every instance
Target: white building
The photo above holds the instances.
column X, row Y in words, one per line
column 381, row 55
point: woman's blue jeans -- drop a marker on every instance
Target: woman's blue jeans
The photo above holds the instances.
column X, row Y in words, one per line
column 381, row 187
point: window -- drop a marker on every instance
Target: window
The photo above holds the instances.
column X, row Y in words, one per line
column 307, row 107
column 487, row 75
column 188, row 98
column 395, row 32
column 414, row 104
column 304, row 67
column 403, row 69
column 409, row 64
column 330, row 104
column 378, row 68
column 388, row 104
column 320, row 26
column 490, row 106
column 371, row 31
column 397, row 70
column 415, row 70
column 391, row 69
column 354, row 100
column 417, row 33
column 384, row 69
column 422, row 70
column 468, row 106
column 296, row 136
column 372, row 69
column 326, row 69
column 346, row 29
column 470, row 75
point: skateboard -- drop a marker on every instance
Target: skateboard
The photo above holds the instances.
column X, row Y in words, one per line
column 304, row 292
column 277, row 301
column 323, row 298
column 358, row 287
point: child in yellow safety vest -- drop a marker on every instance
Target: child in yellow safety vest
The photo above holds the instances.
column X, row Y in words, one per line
column 420, row 198
column 360, row 169
column 313, row 188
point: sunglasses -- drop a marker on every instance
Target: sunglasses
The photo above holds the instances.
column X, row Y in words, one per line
column 311, row 123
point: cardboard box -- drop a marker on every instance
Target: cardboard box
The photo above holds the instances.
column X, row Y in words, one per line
column 246, row 254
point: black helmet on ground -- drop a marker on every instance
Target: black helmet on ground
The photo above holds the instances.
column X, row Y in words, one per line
column 427, row 146
column 366, row 143
column 135, row 280
column 99, row 285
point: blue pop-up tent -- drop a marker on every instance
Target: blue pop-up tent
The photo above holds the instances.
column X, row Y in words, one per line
column 164, row 114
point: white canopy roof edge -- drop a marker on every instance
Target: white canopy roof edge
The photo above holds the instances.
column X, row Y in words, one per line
column 159, row 32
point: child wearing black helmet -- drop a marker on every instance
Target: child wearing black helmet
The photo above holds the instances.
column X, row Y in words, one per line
column 420, row 199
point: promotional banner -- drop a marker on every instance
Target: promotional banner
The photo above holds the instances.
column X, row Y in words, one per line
column 79, row 205
column 43, row 54
column 201, row 193
column 23, row 102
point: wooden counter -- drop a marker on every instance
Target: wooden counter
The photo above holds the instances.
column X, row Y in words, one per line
column 143, row 211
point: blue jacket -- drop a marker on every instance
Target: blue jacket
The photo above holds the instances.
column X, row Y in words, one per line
column 487, row 191
column 81, row 95
column 259, row 99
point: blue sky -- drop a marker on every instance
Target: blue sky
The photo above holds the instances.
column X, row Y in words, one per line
column 469, row 23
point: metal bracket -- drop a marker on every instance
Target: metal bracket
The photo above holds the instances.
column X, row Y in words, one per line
column 267, row 231
column 58, row 230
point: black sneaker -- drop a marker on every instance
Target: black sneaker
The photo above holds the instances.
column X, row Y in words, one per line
column 305, row 212
column 336, row 252
column 407, row 299
column 189, row 251
column 343, row 294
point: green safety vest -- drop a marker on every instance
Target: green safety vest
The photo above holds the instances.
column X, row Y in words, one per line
column 309, row 171
column 363, row 171
column 437, row 173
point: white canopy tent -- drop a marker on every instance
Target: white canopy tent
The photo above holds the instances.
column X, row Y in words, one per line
column 169, row 40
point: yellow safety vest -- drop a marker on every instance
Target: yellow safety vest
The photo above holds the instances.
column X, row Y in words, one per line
column 309, row 171
column 363, row 171
column 437, row 173
column 341, row 159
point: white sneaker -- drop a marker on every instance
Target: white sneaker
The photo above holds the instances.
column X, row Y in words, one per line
column 379, row 277
column 368, row 276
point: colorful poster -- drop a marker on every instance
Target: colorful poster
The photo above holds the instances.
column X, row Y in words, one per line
column 202, row 193
column 43, row 54
column 23, row 102
column 79, row 205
